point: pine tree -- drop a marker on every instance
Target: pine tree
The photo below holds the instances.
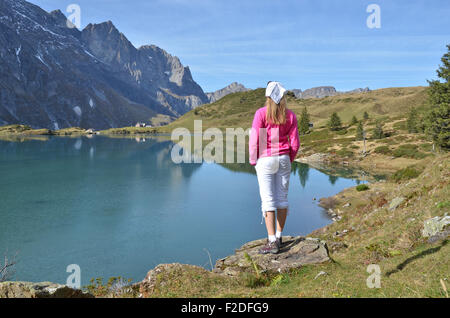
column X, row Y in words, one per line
column 335, row 122
column 304, row 122
column 366, row 116
column 378, row 132
column 360, row 131
column 354, row 121
column 438, row 118
column 412, row 123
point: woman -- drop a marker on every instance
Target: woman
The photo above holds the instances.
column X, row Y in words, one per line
column 273, row 146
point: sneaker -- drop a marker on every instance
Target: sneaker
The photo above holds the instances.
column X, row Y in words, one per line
column 270, row 247
column 280, row 241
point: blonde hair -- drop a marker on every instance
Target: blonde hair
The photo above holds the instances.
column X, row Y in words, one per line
column 276, row 113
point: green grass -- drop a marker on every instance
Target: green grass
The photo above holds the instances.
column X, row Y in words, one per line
column 345, row 153
column 409, row 151
column 405, row 174
column 362, row 187
column 383, row 150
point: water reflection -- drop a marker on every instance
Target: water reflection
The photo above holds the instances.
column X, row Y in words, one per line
column 119, row 206
column 302, row 170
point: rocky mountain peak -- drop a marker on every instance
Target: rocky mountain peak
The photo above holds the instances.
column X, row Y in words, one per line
column 52, row 76
column 108, row 44
column 324, row 91
column 229, row 89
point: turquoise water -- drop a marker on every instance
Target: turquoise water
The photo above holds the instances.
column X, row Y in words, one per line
column 120, row 207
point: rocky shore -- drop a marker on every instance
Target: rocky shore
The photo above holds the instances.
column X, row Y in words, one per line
column 295, row 252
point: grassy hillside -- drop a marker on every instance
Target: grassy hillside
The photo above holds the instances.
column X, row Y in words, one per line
column 237, row 110
column 389, row 106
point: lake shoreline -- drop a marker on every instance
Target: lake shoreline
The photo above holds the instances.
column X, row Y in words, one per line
column 353, row 241
column 375, row 165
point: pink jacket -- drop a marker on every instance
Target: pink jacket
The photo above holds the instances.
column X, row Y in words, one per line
column 268, row 140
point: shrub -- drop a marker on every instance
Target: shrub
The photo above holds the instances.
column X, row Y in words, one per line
column 444, row 204
column 362, row 187
column 409, row 151
column 252, row 281
column 342, row 132
column 426, row 147
column 405, row 174
column 344, row 153
column 384, row 150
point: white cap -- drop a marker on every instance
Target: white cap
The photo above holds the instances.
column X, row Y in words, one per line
column 275, row 91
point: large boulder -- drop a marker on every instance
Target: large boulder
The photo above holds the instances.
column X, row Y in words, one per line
column 395, row 203
column 295, row 252
column 436, row 228
column 39, row 290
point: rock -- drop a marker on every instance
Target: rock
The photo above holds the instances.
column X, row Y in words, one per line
column 336, row 246
column 321, row 273
column 39, row 290
column 232, row 88
column 347, row 205
column 297, row 93
column 295, row 252
column 314, row 158
column 435, row 225
column 440, row 236
column 395, row 203
column 324, row 91
column 318, row 92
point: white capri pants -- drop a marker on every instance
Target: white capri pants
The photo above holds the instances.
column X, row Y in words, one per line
column 273, row 179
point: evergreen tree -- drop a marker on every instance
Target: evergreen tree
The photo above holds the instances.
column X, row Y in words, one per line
column 412, row 123
column 354, row 121
column 335, row 122
column 366, row 116
column 378, row 132
column 304, row 122
column 360, row 131
column 438, row 118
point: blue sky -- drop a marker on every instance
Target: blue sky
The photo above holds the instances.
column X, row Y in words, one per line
column 302, row 43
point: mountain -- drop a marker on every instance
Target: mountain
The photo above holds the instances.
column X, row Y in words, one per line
column 324, row 91
column 53, row 76
column 232, row 88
